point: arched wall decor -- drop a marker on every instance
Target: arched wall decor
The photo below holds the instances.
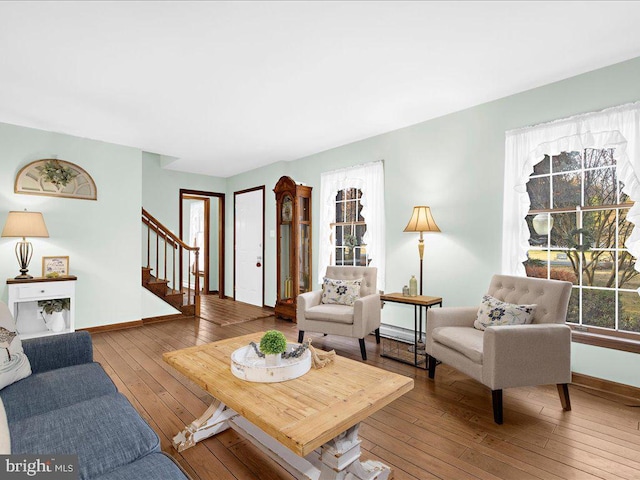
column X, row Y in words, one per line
column 32, row 180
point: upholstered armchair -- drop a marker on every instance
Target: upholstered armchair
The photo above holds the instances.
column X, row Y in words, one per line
column 355, row 321
column 507, row 356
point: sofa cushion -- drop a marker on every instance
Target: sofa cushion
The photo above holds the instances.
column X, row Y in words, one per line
column 154, row 466
column 105, row 432
column 465, row 340
column 55, row 389
column 14, row 364
column 340, row 292
column 494, row 312
column 330, row 313
column 5, row 436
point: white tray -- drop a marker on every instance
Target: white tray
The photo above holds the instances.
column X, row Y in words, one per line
column 247, row 365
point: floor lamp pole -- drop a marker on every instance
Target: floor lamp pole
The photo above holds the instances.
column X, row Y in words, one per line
column 421, row 251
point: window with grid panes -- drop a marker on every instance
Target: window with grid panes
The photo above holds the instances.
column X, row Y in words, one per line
column 578, row 227
column 348, row 230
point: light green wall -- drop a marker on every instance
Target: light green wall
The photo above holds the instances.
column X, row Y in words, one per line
column 161, row 189
column 454, row 164
column 100, row 237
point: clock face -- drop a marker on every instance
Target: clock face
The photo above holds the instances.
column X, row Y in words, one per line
column 287, row 210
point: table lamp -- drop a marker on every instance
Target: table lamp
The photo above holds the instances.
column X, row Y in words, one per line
column 25, row 224
column 421, row 221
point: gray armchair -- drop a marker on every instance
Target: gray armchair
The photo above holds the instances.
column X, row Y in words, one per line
column 509, row 355
column 355, row 321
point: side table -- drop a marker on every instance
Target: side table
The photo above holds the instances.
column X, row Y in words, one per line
column 419, row 302
column 23, row 298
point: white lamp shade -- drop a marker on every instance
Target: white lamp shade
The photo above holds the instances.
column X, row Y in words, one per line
column 25, row 224
column 421, row 221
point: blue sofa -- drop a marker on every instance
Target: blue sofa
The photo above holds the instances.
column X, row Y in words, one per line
column 69, row 405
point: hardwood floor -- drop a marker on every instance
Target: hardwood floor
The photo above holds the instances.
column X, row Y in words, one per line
column 442, row 429
column 223, row 311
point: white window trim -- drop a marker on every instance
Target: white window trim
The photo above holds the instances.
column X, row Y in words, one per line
column 369, row 178
column 617, row 127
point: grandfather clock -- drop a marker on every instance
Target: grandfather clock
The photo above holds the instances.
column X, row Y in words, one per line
column 293, row 219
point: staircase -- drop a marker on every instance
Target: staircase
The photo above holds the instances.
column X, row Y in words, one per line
column 168, row 258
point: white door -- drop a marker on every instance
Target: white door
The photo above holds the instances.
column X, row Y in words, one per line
column 249, row 230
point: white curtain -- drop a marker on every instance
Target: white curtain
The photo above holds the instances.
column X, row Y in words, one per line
column 196, row 232
column 369, row 178
column 617, row 127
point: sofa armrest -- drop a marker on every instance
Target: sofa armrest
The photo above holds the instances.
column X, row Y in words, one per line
column 303, row 303
column 366, row 314
column 448, row 317
column 58, row 351
column 523, row 355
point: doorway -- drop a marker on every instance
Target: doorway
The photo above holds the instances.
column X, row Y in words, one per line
column 202, row 224
column 248, row 262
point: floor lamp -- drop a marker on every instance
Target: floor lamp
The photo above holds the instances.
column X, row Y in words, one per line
column 421, row 221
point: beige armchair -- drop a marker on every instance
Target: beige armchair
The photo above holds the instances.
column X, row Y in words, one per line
column 509, row 355
column 355, row 321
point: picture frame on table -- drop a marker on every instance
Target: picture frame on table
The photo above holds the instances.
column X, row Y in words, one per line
column 53, row 267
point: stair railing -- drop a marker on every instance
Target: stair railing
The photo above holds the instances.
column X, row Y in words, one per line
column 162, row 244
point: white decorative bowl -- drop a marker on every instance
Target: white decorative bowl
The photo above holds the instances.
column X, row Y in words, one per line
column 247, row 365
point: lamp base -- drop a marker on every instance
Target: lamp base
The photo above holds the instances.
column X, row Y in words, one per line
column 24, row 252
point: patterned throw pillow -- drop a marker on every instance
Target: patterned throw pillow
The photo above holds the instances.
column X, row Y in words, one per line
column 14, row 364
column 340, row 292
column 493, row 312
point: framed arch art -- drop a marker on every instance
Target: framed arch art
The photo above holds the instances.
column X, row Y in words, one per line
column 55, row 178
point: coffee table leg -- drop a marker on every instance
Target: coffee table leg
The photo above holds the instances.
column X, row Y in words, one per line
column 214, row 420
column 340, row 459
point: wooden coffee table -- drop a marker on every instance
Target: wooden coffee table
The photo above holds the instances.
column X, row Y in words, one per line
column 308, row 425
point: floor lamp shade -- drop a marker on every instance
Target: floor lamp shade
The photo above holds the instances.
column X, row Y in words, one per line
column 24, row 224
column 421, row 221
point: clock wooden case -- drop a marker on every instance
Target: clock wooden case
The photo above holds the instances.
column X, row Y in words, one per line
column 293, row 220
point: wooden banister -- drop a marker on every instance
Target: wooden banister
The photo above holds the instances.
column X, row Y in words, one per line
column 165, row 240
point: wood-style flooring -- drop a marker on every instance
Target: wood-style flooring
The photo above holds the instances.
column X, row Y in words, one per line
column 442, row 429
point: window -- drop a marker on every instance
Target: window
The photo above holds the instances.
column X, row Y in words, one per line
column 578, row 231
column 349, row 229
column 571, row 211
column 352, row 219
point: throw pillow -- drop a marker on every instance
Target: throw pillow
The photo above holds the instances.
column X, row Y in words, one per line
column 14, row 364
column 340, row 292
column 493, row 312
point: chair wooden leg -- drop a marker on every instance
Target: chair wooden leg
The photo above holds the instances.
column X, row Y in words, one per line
column 377, row 335
column 563, row 391
column 363, row 350
column 300, row 336
column 432, row 362
column 497, row 406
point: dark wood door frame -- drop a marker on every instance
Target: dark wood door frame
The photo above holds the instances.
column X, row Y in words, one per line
column 235, row 194
column 184, row 194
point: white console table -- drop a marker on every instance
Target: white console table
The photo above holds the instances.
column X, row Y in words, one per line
column 24, row 295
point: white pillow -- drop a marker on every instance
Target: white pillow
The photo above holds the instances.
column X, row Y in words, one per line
column 493, row 312
column 14, row 364
column 340, row 292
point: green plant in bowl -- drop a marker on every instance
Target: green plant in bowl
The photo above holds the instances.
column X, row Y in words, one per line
column 273, row 342
column 57, row 305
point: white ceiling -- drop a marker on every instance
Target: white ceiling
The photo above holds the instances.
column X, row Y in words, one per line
column 226, row 87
